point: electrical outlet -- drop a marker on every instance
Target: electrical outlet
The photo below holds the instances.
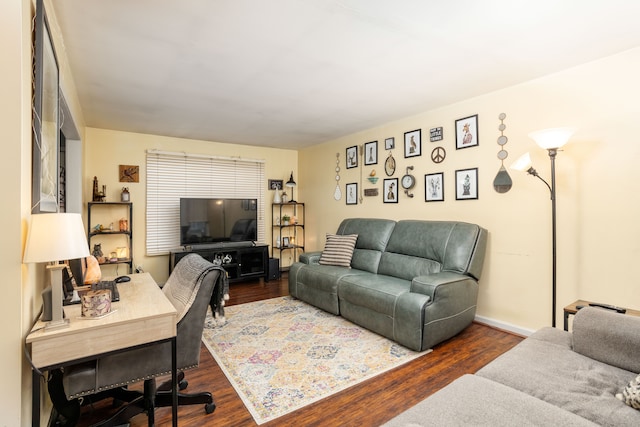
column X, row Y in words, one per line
column 139, row 269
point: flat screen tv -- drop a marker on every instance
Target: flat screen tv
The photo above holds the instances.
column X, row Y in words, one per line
column 208, row 220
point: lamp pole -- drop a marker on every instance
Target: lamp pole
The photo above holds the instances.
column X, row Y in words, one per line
column 552, row 155
column 552, row 190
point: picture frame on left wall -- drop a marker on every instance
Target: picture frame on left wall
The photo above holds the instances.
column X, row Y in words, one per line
column 46, row 119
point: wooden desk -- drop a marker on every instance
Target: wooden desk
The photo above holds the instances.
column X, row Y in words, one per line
column 142, row 316
column 572, row 309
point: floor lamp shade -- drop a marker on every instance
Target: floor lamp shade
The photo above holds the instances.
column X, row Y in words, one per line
column 552, row 138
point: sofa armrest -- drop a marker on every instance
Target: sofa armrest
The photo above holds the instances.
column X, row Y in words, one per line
column 451, row 307
column 310, row 257
column 608, row 337
column 428, row 285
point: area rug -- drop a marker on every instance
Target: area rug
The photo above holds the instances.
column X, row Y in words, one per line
column 282, row 354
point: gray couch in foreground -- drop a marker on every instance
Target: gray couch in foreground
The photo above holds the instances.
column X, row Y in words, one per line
column 415, row 282
column 551, row 378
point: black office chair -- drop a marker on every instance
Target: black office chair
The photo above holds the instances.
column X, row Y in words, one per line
column 109, row 376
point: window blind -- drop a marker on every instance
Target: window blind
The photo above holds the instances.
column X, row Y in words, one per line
column 171, row 176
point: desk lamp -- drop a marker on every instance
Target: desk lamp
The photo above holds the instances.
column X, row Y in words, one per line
column 551, row 140
column 291, row 183
column 51, row 238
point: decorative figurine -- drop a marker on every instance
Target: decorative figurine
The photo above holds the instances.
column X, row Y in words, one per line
column 97, row 195
column 97, row 250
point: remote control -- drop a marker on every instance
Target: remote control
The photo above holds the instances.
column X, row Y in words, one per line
column 609, row 307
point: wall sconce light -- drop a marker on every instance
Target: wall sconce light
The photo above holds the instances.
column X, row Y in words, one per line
column 551, row 140
column 291, row 184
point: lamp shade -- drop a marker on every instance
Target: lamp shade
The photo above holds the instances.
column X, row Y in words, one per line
column 523, row 163
column 55, row 237
column 291, row 182
column 552, row 138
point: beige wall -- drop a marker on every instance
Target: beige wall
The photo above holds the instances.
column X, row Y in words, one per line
column 598, row 206
column 106, row 149
column 15, row 118
column 23, row 283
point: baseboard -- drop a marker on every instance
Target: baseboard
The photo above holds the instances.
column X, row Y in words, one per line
column 504, row 326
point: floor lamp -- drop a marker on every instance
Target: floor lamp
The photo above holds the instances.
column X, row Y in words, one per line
column 551, row 140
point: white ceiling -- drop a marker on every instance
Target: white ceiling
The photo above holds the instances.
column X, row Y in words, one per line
column 293, row 73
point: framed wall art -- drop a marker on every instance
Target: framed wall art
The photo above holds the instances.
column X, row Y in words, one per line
column 371, row 153
column 467, row 184
column 352, row 193
column 435, row 134
column 275, row 184
column 413, row 143
column 467, row 132
column 390, row 190
column 389, row 143
column 434, row 187
column 352, row 157
column 129, row 173
column 46, row 118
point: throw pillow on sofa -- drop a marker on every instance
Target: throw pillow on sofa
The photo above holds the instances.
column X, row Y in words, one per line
column 631, row 393
column 338, row 250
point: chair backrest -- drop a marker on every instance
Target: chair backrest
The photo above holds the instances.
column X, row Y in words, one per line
column 192, row 324
column 151, row 361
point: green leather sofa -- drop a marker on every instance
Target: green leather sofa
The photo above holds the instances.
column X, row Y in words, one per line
column 412, row 281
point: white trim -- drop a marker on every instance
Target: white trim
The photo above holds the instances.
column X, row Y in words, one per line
column 504, row 326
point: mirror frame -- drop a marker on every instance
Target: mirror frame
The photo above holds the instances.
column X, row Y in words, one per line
column 46, row 118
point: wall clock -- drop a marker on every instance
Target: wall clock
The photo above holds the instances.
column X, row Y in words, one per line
column 390, row 165
column 408, row 181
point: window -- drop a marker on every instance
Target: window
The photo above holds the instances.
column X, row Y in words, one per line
column 171, row 176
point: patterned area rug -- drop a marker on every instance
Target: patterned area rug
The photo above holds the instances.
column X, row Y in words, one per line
column 282, row 354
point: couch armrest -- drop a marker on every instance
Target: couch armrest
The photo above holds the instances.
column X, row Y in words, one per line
column 310, row 257
column 608, row 337
column 451, row 307
column 428, row 285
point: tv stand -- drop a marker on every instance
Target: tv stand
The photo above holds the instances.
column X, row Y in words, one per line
column 241, row 260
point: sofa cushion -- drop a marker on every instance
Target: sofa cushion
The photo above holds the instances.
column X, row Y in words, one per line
column 475, row 401
column 443, row 246
column 318, row 284
column 338, row 250
column 373, row 291
column 608, row 337
column 373, row 235
column 545, row 366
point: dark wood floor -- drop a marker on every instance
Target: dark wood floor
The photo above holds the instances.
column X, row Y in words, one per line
column 368, row 404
